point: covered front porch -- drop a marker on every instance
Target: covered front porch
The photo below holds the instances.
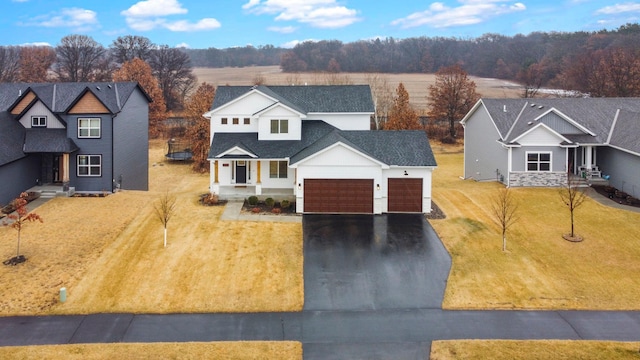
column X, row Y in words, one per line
column 237, row 179
column 243, row 192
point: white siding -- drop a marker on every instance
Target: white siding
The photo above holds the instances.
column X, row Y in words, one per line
column 39, row 109
column 279, row 113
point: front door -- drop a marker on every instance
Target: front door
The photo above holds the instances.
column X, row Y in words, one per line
column 56, row 166
column 241, row 172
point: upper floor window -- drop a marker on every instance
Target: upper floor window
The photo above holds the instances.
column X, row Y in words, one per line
column 88, row 127
column 224, row 121
column 236, row 121
column 247, row 121
column 538, row 161
column 280, row 126
column 38, row 121
column 89, row 165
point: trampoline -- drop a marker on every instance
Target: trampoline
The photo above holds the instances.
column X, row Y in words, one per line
column 178, row 150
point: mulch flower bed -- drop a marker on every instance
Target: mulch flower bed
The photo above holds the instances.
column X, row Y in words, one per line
column 211, row 200
column 8, row 209
column 261, row 208
column 616, row 195
column 436, row 213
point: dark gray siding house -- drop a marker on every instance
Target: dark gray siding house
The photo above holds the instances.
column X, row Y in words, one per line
column 536, row 142
column 87, row 137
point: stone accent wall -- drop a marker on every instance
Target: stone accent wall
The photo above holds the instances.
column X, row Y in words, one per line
column 537, row 179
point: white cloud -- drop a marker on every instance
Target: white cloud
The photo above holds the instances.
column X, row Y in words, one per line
column 37, row 44
column 154, row 8
column 282, row 30
column 291, row 44
column 79, row 19
column 183, row 45
column 147, row 15
column 469, row 12
column 183, row 25
column 316, row 13
column 619, row 8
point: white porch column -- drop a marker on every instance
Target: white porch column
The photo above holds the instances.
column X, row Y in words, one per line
column 588, row 158
column 215, row 187
column 258, row 179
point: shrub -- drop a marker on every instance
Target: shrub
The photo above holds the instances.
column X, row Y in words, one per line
column 253, row 200
column 276, row 210
column 285, row 204
column 269, row 202
column 210, row 199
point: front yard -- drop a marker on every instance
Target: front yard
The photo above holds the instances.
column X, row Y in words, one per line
column 539, row 270
column 108, row 252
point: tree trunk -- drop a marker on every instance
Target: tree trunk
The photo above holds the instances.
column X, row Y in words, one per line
column 572, row 235
column 18, row 250
column 504, row 242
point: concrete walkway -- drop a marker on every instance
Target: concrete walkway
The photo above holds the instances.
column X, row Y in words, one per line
column 610, row 203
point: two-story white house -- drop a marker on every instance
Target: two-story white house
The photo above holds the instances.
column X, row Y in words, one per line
column 314, row 144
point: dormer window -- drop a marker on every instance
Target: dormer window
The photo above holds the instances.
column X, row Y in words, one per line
column 280, row 126
column 38, row 121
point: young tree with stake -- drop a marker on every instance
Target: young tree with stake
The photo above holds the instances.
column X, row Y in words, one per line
column 504, row 211
column 19, row 219
column 573, row 196
column 165, row 207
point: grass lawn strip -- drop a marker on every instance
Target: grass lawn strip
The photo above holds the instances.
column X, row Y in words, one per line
column 108, row 253
column 194, row 350
column 539, row 270
column 534, row 350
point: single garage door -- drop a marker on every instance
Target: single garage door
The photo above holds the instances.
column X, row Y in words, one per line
column 405, row 195
column 338, row 196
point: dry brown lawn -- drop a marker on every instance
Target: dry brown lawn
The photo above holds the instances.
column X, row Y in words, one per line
column 539, row 270
column 196, row 350
column 534, row 350
column 417, row 84
column 108, row 252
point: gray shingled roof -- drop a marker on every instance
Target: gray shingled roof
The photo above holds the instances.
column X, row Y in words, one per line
column 307, row 99
column 626, row 131
column 48, row 141
column 11, row 139
column 595, row 114
column 59, row 97
column 401, row 148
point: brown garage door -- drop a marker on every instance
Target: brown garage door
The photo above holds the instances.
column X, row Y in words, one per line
column 338, row 196
column 405, row 195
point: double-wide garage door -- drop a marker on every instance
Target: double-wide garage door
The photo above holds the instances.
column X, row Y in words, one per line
column 338, row 196
column 405, row 195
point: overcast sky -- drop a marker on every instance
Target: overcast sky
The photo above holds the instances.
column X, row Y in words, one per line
column 228, row 23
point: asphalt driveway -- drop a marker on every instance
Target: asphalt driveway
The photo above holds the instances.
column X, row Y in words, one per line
column 369, row 262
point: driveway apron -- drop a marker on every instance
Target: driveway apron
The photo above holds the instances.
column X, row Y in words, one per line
column 371, row 262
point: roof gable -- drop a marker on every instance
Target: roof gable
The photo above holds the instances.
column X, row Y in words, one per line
column 27, row 99
column 540, row 134
column 340, row 153
column 561, row 123
column 88, row 103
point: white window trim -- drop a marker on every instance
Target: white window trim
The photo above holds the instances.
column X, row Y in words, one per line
column 38, row 117
column 279, row 126
column 88, row 166
column 99, row 127
column 278, row 169
column 526, row 161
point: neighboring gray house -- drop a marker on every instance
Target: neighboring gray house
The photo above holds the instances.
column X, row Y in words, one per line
column 534, row 142
column 314, row 144
column 88, row 137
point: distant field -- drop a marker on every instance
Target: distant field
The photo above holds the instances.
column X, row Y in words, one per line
column 416, row 84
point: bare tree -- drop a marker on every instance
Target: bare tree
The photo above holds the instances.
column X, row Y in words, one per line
column 129, row 47
column 165, row 208
column 452, row 96
column 78, row 59
column 172, row 68
column 9, row 63
column 382, row 98
column 573, row 195
column 504, row 210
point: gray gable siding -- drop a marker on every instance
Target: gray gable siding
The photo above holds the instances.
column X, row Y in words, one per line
column 483, row 155
column 560, row 125
column 623, row 169
column 17, row 176
column 131, row 144
column 101, row 146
